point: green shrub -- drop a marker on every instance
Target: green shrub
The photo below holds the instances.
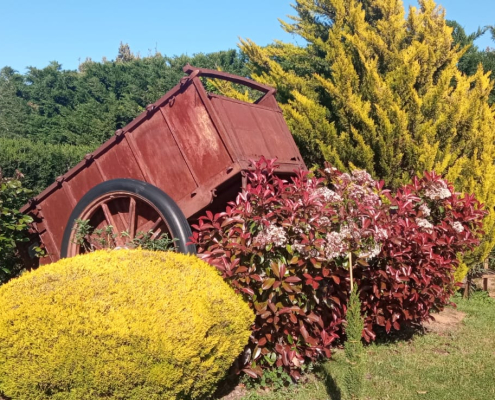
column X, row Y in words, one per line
column 13, row 224
column 40, row 162
column 119, row 324
column 354, row 350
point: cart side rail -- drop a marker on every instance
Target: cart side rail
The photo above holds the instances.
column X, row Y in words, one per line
column 267, row 91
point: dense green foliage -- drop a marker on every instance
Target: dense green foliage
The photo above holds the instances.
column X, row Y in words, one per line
column 85, row 107
column 354, row 351
column 13, row 224
column 119, row 324
column 54, row 116
column 40, row 162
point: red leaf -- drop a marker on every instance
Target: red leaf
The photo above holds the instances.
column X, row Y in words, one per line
column 335, row 299
column 248, row 291
column 250, row 372
column 292, row 279
column 268, row 283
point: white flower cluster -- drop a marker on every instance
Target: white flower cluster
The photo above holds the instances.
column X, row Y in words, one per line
column 361, row 177
column 298, row 230
column 380, row 234
column 327, row 195
column 303, row 250
column 300, row 248
column 272, row 234
column 437, row 190
column 335, row 245
column 346, row 233
column 323, row 221
column 371, row 252
column 423, row 223
column 364, row 195
column 458, row 227
column 424, row 210
column 345, row 179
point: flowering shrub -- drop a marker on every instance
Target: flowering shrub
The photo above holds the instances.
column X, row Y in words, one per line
column 284, row 246
column 287, row 247
column 428, row 225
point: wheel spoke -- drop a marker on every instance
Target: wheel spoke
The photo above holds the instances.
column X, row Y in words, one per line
column 132, row 219
column 156, row 234
column 156, row 224
column 111, row 222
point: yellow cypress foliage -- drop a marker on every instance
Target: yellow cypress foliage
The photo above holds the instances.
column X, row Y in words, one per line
column 121, row 324
column 377, row 90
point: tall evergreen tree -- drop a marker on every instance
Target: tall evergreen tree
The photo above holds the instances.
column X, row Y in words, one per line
column 474, row 57
column 374, row 89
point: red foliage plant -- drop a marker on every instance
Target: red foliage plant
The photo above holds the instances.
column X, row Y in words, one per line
column 285, row 246
column 429, row 225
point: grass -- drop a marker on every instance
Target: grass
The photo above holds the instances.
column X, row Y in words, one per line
column 458, row 363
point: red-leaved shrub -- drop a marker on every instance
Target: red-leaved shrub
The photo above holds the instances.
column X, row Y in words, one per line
column 286, row 247
column 428, row 225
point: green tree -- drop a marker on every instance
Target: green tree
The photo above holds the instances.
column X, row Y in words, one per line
column 85, row 107
column 473, row 56
column 14, row 111
column 377, row 90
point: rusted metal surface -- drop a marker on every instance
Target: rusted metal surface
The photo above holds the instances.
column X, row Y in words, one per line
column 192, row 145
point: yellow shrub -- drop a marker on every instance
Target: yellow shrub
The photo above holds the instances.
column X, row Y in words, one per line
column 460, row 272
column 121, row 324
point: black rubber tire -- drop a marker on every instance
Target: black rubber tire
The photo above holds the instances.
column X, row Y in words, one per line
column 173, row 215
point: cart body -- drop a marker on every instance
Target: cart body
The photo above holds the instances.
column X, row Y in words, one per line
column 192, row 145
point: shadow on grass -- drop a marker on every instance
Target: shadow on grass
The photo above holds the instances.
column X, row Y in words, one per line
column 330, row 382
column 226, row 386
column 332, row 388
column 405, row 334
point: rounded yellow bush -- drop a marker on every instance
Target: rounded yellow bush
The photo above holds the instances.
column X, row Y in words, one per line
column 121, row 324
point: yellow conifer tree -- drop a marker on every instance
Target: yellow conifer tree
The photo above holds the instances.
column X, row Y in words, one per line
column 379, row 90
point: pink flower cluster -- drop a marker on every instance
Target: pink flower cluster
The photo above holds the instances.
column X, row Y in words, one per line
column 335, row 245
column 272, row 234
column 437, row 190
column 424, row 223
column 329, row 196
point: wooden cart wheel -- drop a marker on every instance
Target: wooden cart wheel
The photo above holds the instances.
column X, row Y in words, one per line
column 127, row 206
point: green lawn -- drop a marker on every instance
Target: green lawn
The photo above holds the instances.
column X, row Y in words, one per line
column 458, row 363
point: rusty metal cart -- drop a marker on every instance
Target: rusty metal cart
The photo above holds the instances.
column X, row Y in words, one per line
column 186, row 153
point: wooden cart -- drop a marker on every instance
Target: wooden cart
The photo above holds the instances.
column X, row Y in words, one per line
column 187, row 152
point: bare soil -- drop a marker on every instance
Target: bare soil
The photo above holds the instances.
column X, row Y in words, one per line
column 445, row 321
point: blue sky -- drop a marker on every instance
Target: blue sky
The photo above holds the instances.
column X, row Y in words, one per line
column 34, row 32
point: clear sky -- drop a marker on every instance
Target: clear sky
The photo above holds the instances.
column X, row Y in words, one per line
column 35, row 32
